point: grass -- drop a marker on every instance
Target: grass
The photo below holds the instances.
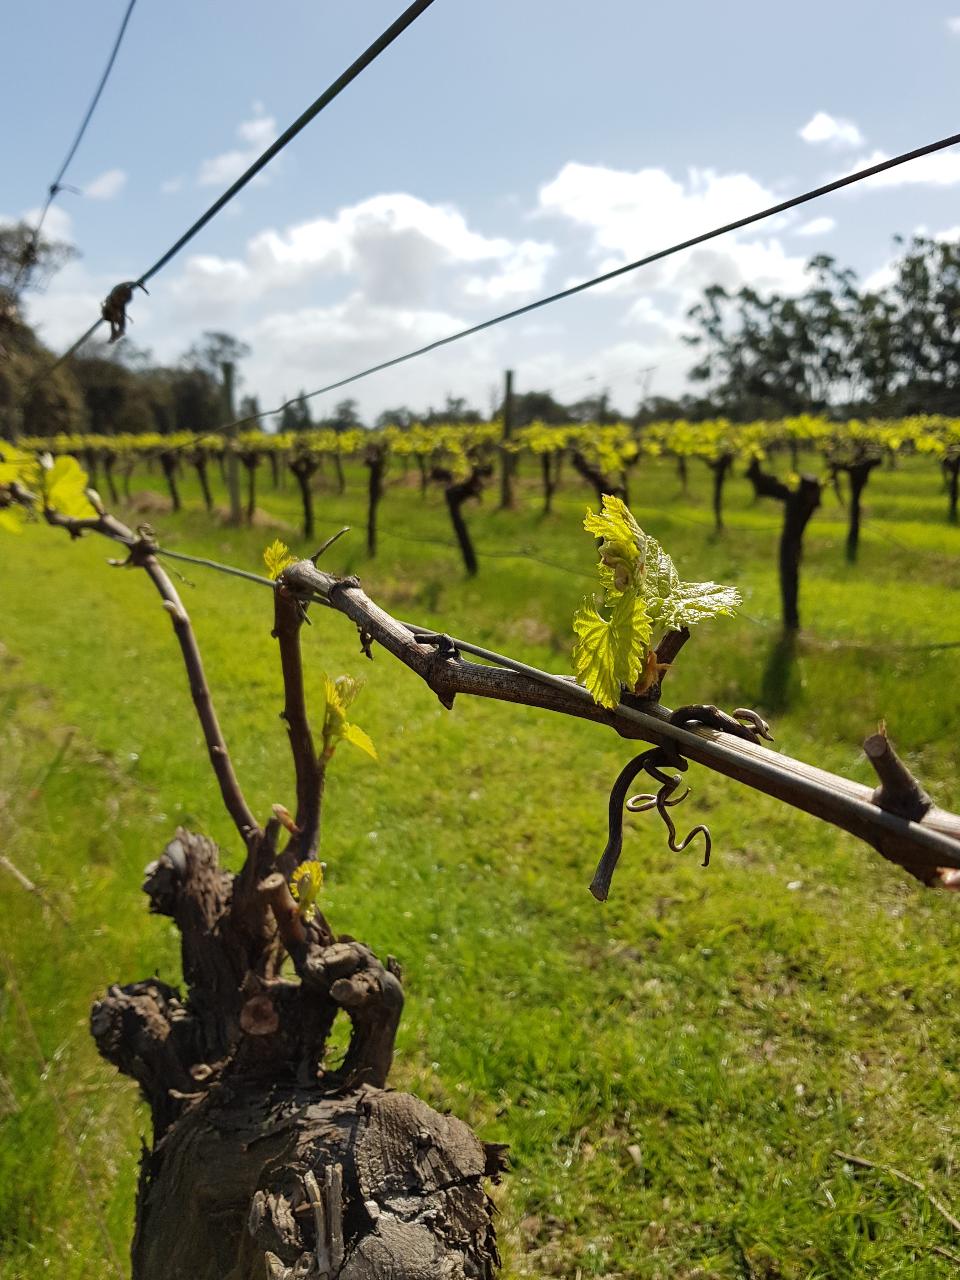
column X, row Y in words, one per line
column 672, row 1070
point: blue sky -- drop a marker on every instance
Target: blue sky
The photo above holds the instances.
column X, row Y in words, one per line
column 497, row 151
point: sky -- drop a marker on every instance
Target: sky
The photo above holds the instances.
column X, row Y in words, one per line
column 499, row 150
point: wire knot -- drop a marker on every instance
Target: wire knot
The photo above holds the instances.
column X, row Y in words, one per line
column 114, row 307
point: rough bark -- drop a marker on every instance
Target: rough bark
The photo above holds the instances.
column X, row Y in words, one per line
column 267, row 1160
column 303, row 466
column 199, row 459
column 376, row 461
column 601, row 483
column 251, row 459
column 951, row 471
column 858, row 473
column 456, row 493
column 799, row 505
column 90, row 461
column 720, row 467
column 548, row 473
column 109, row 458
column 169, row 461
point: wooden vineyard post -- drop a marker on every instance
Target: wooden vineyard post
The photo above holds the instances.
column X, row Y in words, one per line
column 506, row 456
column 233, row 463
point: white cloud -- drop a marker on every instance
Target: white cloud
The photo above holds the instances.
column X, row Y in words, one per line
column 401, row 251
column 632, row 214
column 256, row 133
column 824, row 128
column 107, row 185
column 627, row 370
column 393, row 272
column 953, row 26
column 69, row 306
column 311, row 346
column 172, row 185
column 941, row 169
column 522, row 272
column 880, row 278
column 58, row 224
column 816, row 227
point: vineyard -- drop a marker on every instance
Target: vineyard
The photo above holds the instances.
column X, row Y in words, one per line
column 714, row 1035
column 462, row 460
column 452, row 843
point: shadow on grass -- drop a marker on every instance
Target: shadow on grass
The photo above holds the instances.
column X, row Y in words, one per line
column 780, row 687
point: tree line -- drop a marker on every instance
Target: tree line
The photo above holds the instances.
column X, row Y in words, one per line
column 837, row 349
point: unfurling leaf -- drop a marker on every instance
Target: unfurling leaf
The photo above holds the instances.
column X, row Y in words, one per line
column 622, row 543
column 353, row 733
column 278, row 557
column 338, row 696
column 16, row 466
column 697, row 601
column 645, row 598
column 608, row 654
column 305, row 885
column 348, row 690
column 65, row 489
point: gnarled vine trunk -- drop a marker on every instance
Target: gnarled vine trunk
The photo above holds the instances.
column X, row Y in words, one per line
column 602, row 483
column 266, row 1161
column 799, row 504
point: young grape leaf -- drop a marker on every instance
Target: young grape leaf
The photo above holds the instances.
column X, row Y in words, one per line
column 661, row 581
column 15, row 465
column 608, row 654
column 338, row 695
column 622, row 543
column 353, row 733
column 348, row 689
column 644, row 593
column 697, row 601
column 305, row 885
column 277, row 557
column 64, row 486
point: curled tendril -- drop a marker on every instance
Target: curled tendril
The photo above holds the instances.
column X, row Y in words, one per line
column 664, row 800
column 661, row 802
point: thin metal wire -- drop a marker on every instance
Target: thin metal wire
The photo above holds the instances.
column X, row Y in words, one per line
column 360, row 64
column 56, row 184
column 382, row 42
column 220, row 568
column 826, row 189
column 817, row 796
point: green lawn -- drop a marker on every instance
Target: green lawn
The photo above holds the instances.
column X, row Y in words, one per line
column 672, row 1070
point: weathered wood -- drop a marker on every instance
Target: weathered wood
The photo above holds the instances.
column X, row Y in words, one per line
column 230, row 1191
column 303, row 466
column 375, row 458
column 720, row 467
column 266, row 1159
column 799, row 504
column 920, row 847
column 456, row 493
column 602, row 483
